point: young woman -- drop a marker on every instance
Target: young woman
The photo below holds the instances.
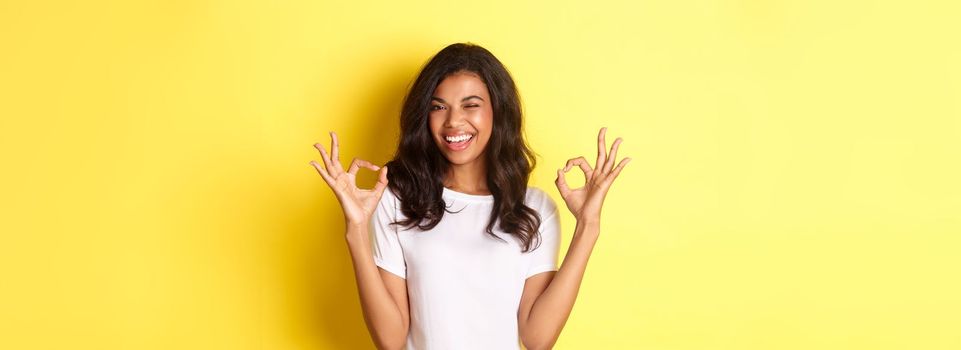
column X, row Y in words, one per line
column 461, row 253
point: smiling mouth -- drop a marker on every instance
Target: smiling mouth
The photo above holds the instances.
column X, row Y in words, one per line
column 459, row 139
column 459, row 143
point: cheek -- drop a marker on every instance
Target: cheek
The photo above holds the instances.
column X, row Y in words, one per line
column 434, row 122
column 486, row 122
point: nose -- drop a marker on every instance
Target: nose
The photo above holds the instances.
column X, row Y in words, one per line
column 455, row 118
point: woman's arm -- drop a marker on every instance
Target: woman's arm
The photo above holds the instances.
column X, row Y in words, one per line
column 383, row 296
column 548, row 298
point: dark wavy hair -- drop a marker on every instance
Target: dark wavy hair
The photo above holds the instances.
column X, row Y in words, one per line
column 417, row 171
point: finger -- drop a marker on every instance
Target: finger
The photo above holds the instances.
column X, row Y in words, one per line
column 601, row 148
column 335, row 150
column 613, row 157
column 562, row 183
column 331, row 170
column 323, row 173
column 582, row 163
column 357, row 163
column 617, row 170
column 381, row 182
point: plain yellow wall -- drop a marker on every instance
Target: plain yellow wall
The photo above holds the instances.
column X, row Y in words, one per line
column 794, row 182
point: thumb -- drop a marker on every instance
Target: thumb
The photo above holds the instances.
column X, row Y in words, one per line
column 381, row 182
column 561, row 183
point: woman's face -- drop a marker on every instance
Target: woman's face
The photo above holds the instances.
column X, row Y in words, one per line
column 461, row 117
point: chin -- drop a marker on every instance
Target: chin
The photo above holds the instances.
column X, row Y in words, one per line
column 461, row 159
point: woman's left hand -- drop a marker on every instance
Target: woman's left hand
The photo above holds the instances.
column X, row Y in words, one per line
column 585, row 202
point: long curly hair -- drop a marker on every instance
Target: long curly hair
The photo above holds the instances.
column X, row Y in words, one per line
column 417, row 170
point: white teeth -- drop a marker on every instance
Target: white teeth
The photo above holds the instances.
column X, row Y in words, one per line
column 458, row 138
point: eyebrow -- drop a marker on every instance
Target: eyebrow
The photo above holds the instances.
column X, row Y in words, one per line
column 462, row 100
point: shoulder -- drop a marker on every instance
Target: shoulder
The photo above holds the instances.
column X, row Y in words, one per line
column 388, row 195
column 540, row 201
column 389, row 201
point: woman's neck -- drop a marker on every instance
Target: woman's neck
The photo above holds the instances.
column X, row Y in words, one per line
column 468, row 178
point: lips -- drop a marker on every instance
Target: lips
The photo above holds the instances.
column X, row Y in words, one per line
column 458, row 137
column 458, row 142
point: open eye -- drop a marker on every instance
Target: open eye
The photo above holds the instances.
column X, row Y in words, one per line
column 436, row 107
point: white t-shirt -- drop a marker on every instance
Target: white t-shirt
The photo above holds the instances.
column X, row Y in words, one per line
column 464, row 286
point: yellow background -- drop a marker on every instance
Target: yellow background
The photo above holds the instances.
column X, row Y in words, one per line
column 794, row 182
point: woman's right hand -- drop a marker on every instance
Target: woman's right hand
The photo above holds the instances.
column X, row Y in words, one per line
column 358, row 204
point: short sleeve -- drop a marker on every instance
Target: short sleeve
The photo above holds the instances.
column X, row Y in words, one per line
column 388, row 253
column 544, row 257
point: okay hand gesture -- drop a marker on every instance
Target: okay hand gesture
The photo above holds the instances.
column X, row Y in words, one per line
column 358, row 204
column 585, row 202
